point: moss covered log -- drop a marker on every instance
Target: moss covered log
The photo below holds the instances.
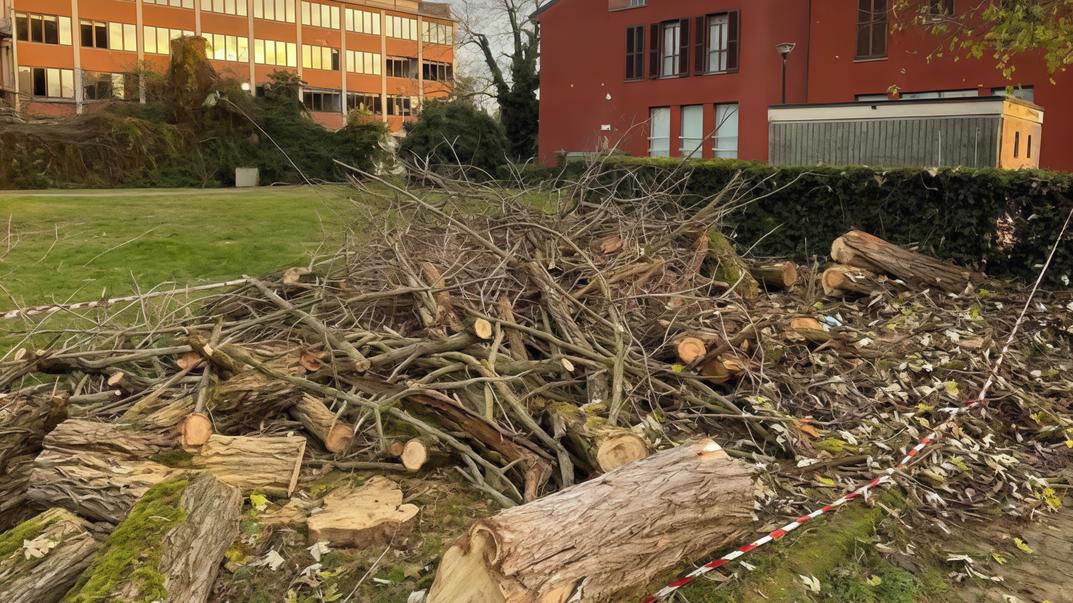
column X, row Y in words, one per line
column 42, row 557
column 728, row 267
column 170, row 546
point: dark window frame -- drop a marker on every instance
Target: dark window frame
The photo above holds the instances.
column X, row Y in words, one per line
column 635, row 53
column 871, row 30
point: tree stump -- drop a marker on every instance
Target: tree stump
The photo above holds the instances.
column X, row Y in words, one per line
column 42, row 557
column 604, row 539
column 169, row 547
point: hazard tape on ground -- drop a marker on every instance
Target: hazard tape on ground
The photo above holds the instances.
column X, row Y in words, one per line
column 53, row 308
column 888, row 475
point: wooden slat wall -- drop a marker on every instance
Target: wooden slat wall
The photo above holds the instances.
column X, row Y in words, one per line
column 943, row 141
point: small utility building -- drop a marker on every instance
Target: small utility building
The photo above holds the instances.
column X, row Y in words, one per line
column 985, row 131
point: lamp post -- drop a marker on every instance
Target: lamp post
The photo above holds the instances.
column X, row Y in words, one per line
column 784, row 49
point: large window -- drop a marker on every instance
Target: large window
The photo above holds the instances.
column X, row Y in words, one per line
column 115, row 36
column 367, row 102
column 273, row 10
column 940, row 9
column 671, row 56
column 320, row 15
column 363, row 62
column 226, row 7
column 692, row 131
column 320, row 57
column 157, row 40
column 871, row 29
column 437, row 33
column 42, row 82
column 227, row 48
column 725, row 141
column 362, row 21
column 717, row 43
column 1027, row 93
column 402, row 67
column 316, row 100
column 400, row 105
column 437, row 72
column 659, row 128
column 635, row 53
column 173, row 3
column 401, row 27
column 46, row 29
column 102, row 86
column 274, row 52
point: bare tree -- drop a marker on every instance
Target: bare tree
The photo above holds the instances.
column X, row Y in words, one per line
column 508, row 41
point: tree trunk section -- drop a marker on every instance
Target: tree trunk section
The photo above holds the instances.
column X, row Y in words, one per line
column 729, row 267
column 63, row 546
column 862, row 250
column 268, row 464
column 420, row 453
column 318, row 420
column 181, row 530
column 25, row 417
column 840, row 280
column 371, row 515
column 775, row 275
column 604, row 539
column 604, row 447
column 15, row 505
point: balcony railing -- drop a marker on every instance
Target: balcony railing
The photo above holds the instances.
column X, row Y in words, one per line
column 625, row 4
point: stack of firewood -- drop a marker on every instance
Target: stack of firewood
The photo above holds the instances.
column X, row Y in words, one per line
column 526, row 351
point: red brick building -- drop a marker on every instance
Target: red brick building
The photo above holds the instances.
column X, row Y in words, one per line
column 604, row 83
column 61, row 57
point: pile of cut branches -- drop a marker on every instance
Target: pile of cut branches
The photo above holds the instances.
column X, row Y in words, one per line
column 530, row 349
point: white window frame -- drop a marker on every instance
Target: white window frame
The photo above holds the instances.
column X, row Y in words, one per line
column 670, row 57
column 718, row 45
column 727, row 133
column 691, row 137
column 659, row 142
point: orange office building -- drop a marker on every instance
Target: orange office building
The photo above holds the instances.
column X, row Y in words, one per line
column 60, row 57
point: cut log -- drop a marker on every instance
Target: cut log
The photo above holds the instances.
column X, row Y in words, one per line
column 607, row 537
column 445, row 312
column 690, row 349
column 42, row 557
column 481, row 328
column 268, row 464
column 25, row 417
column 318, row 420
column 729, row 267
column 839, row 280
column 169, row 548
column 862, row 250
column 195, row 430
column 603, row 446
column 15, row 504
column 809, row 329
column 776, row 275
column 421, row 453
column 77, row 436
column 371, row 515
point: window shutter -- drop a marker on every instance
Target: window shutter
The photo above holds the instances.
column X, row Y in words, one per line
column 653, row 52
column 683, row 49
column 879, row 29
column 630, row 49
column 699, row 62
column 733, row 35
column 639, row 52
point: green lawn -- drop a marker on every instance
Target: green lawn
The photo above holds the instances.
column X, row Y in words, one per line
column 74, row 245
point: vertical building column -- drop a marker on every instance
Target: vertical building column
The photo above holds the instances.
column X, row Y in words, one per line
column 342, row 56
column 383, row 66
column 298, row 44
column 140, row 34
column 197, row 17
column 249, row 45
column 420, row 62
column 15, row 54
column 76, row 48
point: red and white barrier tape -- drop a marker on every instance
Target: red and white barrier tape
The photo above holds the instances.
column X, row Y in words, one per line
column 888, row 475
column 53, row 308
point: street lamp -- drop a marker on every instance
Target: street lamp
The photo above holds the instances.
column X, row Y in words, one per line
column 784, row 49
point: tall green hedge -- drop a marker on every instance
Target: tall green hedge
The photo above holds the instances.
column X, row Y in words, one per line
column 1001, row 221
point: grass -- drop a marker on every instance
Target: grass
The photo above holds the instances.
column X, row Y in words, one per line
column 75, row 246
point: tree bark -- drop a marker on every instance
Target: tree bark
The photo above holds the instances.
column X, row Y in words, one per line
column 15, row 505
column 25, row 417
column 862, row 250
column 44, row 578
column 839, row 280
column 729, row 267
column 776, row 275
column 318, row 420
column 267, row 464
column 180, row 531
column 604, row 539
column 604, row 447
